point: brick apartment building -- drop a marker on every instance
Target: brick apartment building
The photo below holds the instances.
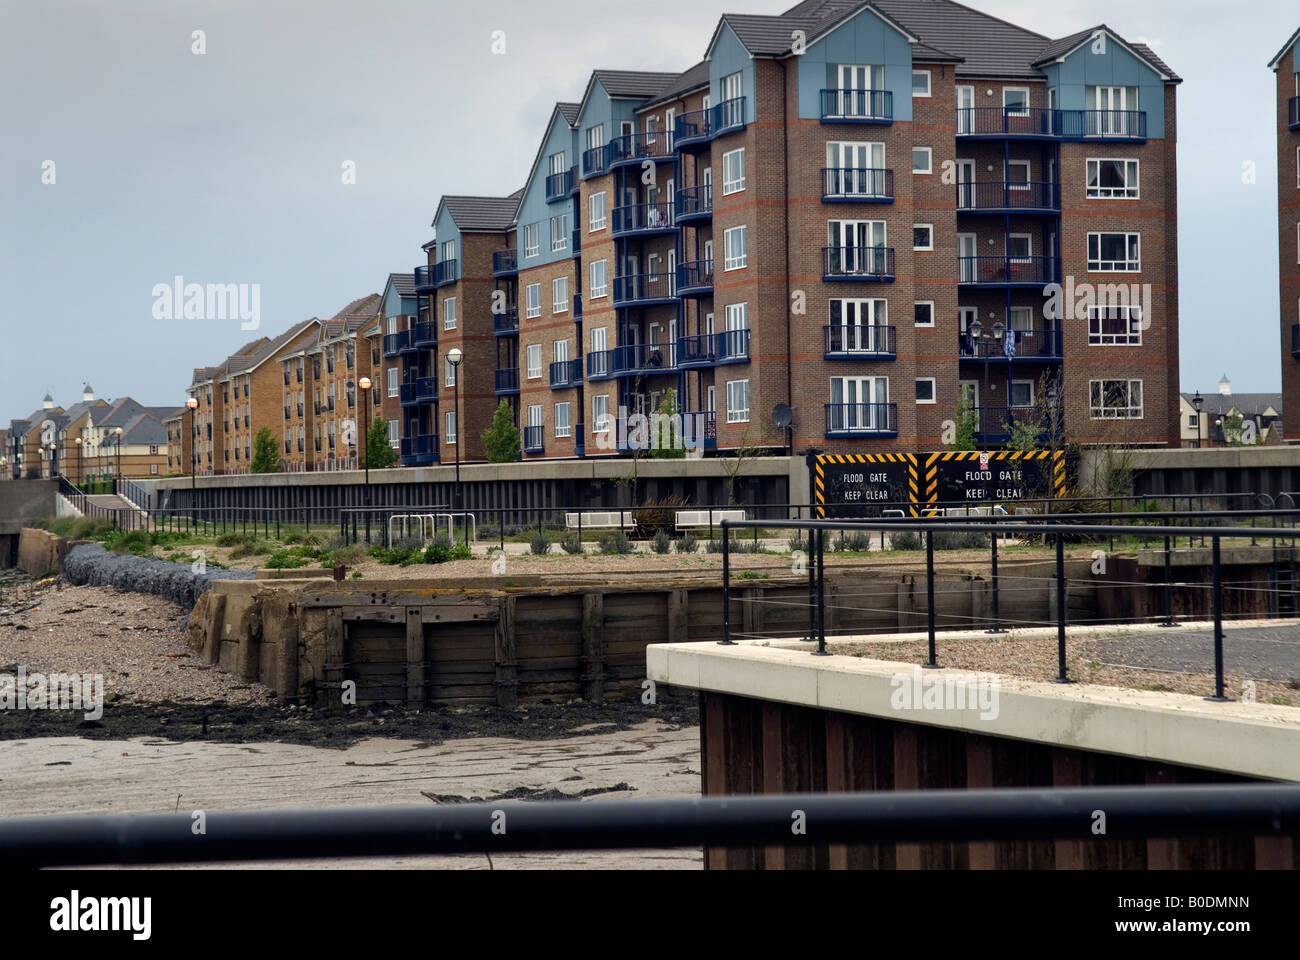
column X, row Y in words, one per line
column 864, row 211
column 1287, row 67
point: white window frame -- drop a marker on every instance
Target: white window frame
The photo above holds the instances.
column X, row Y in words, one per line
column 393, row 388
column 1100, row 268
column 560, row 237
column 1028, row 256
column 1098, row 338
column 533, row 357
column 600, row 413
column 448, row 372
column 450, row 428
column 1100, row 411
column 532, row 309
column 563, row 425
column 1012, row 391
column 923, row 303
column 928, row 85
column 448, row 251
column 929, row 153
column 560, row 351
column 734, row 259
column 735, row 412
column 599, row 289
column 927, row 226
column 532, row 239
column 934, row 390
column 1026, row 91
column 733, row 184
column 559, row 300
column 1127, row 192
column 1014, row 184
column 595, row 222
column 449, row 313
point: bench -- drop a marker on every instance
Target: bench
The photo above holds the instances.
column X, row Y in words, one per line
column 706, row 518
column 601, row 520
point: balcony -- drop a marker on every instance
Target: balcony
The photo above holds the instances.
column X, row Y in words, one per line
column 421, row 391
column 695, row 278
column 595, row 162
column 727, row 116
column 857, row 106
column 1040, row 123
column 694, row 203
column 861, row 342
column 996, row 424
column 643, row 219
column 857, row 185
column 635, row 148
column 395, row 343
column 643, row 289
column 533, row 439
column 1293, row 113
column 1007, row 271
column 647, row 359
column 1031, row 345
column 600, row 365
column 559, row 185
column 506, row 381
column 866, row 264
column 1295, row 340
column 700, row 429
column 505, row 263
column 861, row 420
column 566, row 373
column 692, row 131
column 713, row 349
column 506, row 323
column 422, row 448
column 424, row 335
column 424, row 282
column 995, row 196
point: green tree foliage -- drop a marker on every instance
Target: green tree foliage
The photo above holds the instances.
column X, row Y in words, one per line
column 379, row 451
column 666, row 431
column 501, row 440
column 266, row 454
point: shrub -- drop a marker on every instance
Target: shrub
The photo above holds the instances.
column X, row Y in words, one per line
column 797, row 544
column 905, row 540
column 437, row 553
column 571, row 544
column 461, row 551
column 356, row 574
column 687, row 543
column 948, row 540
column 615, row 543
column 737, row 546
column 656, row 515
column 134, row 541
column 349, row 554
column 251, row 548
column 286, row 559
column 855, row 542
column 661, row 542
column 236, row 540
column 540, row 544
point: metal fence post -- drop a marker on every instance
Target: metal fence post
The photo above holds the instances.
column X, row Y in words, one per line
column 931, row 664
column 1169, row 588
column 1061, row 675
column 812, row 587
column 726, row 640
column 997, row 624
column 821, row 593
column 1216, row 598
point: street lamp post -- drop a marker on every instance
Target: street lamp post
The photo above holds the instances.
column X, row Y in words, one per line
column 117, row 434
column 1198, row 401
column 192, row 405
column 454, row 357
column 78, row 442
column 364, row 384
column 54, row 458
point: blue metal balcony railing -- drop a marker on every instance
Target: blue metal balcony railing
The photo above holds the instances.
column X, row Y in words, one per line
column 1041, row 123
column 695, row 278
column 700, row 428
column 445, row 272
column 644, row 358
column 1007, row 271
column 505, row 263
column 506, row 323
column 558, row 185
column 533, row 439
column 1039, row 345
column 857, row 106
column 646, row 218
column 637, row 147
column 692, row 129
column 566, row 373
column 600, row 365
column 423, row 390
column 1295, row 339
column 395, row 343
column 506, row 381
column 595, row 161
column 995, row 424
column 874, row 264
column 424, row 335
column 1010, row 196
column 421, row 447
column 727, row 116
column 861, row 419
column 424, row 282
column 643, row 288
column 1293, row 113
column 711, row 349
column 694, row 202
column 860, row 341
column 857, row 184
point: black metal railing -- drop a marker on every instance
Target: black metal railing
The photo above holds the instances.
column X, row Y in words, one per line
column 858, row 263
column 865, row 184
column 861, row 419
column 866, row 341
column 1008, row 271
column 1013, row 195
column 857, row 106
column 1015, row 345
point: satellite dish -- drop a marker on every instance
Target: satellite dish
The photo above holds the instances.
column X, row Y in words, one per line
column 782, row 415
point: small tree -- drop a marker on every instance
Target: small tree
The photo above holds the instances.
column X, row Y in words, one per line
column 666, row 441
column 379, row 452
column 967, row 423
column 501, row 440
column 266, row 456
column 744, row 451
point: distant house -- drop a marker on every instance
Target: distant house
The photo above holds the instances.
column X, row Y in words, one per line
column 1206, row 428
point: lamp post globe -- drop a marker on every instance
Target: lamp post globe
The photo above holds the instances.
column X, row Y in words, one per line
column 364, row 384
column 454, row 357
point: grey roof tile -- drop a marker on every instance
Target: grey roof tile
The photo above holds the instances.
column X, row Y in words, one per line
column 569, row 111
column 482, row 214
column 404, row 283
column 633, row 84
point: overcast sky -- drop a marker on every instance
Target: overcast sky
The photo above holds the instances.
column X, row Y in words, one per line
column 226, row 167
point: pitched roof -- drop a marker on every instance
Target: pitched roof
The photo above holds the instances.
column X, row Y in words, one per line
column 120, row 413
column 480, row 214
column 360, row 307
column 404, row 283
column 633, row 84
column 1273, row 64
column 569, row 111
column 144, row 428
column 693, row 79
column 1247, row 403
column 986, row 45
column 1067, row 45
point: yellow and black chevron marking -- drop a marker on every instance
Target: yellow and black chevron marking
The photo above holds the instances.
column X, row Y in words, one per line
column 1058, row 473
column 845, row 458
column 819, row 488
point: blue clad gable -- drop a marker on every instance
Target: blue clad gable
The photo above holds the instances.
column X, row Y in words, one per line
column 865, row 40
column 444, row 229
column 534, row 209
column 730, row 56
column 395, row 305
column 1116, row 67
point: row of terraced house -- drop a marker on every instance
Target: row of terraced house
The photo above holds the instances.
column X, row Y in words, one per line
column 838, row 225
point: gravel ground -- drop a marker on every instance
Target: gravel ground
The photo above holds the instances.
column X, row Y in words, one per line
column 1178, row 660
column 134, row 640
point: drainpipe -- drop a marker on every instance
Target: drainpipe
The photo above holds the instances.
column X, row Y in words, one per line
column 785, row 173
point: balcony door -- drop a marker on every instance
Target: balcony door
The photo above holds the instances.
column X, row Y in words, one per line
column 852, row 89
column 855, row 169
column 1112, row 105
column 859, row 326
column 965, row 110
column 857, row 403
column 857, row 246
column 967, row 264
column 965, row 184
